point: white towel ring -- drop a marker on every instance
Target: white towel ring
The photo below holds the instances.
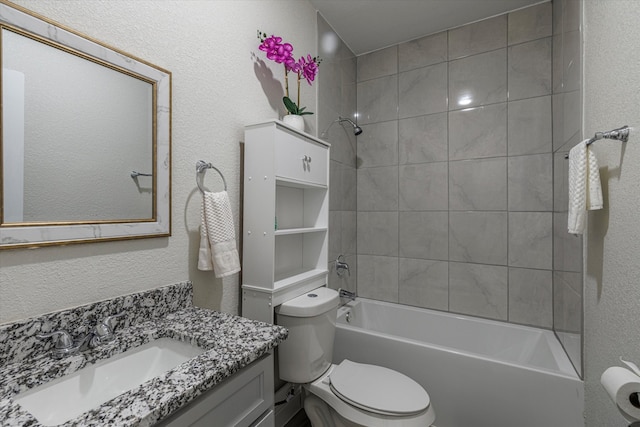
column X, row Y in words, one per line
column 201, row 168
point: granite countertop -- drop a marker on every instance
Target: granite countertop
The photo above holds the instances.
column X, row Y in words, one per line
column 231, row 343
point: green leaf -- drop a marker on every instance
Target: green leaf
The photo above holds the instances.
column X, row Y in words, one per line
column 290, row 105
column 293, row 108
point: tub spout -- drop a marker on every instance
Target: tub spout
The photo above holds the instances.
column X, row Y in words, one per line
column 347, row 294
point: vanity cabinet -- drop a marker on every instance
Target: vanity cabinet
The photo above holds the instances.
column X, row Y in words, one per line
column 285, row 225
column 243, row 400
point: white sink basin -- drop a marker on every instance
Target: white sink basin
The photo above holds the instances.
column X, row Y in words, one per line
column 65, row 398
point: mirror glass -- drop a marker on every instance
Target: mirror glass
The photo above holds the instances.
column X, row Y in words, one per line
column 85, row 142
column 82, row 127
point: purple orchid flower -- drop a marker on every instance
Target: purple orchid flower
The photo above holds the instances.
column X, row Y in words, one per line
column 282, row 53
column 276, row 50
column 309, row 68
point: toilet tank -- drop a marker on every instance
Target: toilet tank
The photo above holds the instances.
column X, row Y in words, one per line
column 311, row 319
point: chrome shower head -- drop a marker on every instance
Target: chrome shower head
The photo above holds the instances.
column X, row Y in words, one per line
column 357, row 130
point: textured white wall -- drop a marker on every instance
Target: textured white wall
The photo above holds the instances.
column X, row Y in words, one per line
column 220, row 84
column 612, row 285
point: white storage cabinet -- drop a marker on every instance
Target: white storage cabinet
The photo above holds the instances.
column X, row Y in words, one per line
column 286, row 205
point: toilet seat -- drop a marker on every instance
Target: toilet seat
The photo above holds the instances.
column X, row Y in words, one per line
column 378, row 389
column 358, row 413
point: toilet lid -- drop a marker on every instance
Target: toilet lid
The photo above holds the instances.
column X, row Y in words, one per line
column 378, row 389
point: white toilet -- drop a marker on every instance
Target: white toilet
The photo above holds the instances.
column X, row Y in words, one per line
column 347, row 394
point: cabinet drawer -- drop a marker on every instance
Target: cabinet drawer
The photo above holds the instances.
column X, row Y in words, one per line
column 290, row 152
column 240, row 401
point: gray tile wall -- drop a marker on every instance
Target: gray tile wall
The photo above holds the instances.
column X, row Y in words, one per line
column 567, row 131
column 455, row 206
column 337, row 97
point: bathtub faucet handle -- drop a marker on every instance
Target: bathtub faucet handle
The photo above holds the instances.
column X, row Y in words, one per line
column 341, row 266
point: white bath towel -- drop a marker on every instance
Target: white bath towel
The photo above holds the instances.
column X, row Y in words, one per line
column 585, row 191
column 217, row 236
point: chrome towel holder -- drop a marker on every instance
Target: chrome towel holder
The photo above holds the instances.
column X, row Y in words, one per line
column 201, row 168
column 619, row 134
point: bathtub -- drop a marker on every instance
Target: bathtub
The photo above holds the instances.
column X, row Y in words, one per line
column 478, row 373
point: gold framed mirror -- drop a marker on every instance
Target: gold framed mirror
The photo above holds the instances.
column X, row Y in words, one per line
column 86, row 140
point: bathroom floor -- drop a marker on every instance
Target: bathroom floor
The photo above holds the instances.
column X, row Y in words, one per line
column 299, row 420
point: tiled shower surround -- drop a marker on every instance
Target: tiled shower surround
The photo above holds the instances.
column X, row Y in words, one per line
column 457, row 192
column 455, row 168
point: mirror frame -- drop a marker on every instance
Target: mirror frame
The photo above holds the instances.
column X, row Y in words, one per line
column 21, row 235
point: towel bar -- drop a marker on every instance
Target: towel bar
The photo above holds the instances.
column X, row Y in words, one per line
column 201, row 168
column 619, row 134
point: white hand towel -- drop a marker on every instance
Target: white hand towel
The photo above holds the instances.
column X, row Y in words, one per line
column 585, row 191
column 217, row 236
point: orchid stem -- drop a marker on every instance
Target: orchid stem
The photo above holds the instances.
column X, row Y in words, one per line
column 298, row 89
column 286, row 81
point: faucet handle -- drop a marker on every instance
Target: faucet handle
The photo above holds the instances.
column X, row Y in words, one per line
column 104, row 329
column 61, row 339
column 108, row 320
column 341, row 265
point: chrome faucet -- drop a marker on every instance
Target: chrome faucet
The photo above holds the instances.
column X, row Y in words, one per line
column 347, row 294
column 104, row 330
column 341, row 266
column 64, row 345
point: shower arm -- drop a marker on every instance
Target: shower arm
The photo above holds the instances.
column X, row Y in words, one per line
column 357, row 130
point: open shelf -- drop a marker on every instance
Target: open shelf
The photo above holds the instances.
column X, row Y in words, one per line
column 293, row 183
column 300, row 207
column 298, row 276
column 284, row 232
column 299, row 252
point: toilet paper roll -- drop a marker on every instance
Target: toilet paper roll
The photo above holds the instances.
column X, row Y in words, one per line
column 623, row 387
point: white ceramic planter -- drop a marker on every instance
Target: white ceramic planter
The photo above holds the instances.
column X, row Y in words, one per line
column 294, row 121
